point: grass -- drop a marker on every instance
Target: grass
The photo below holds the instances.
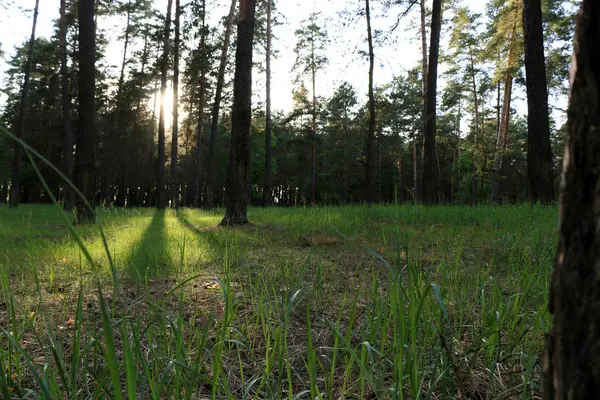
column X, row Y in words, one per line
column 381, row 302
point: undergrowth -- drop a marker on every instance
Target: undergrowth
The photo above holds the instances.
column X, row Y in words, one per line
column 380, row 302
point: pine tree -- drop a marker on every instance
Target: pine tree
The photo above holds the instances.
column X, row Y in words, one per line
column 539, row 150
column 238, row 170
column 85, row 154
column 175, row 128
column 164, row 66
column 212, row 146
column 430, row 164
column 15, row 190
column 310, row 58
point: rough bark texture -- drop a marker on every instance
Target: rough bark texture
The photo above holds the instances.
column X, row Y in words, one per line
column 161, row 201
column 371, row 132
column 175, row 128
column 69, row 195
column 430, row 168
column 200, row 127
column 15, row 188
column 539, row 150
column 266, row 200
column 571, row 368
column 86, row 140
column 238, row 171
column 212, row 144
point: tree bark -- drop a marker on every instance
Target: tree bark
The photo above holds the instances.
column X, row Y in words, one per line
column 85, row 154
column 539, row 150
column 371, row 132
column 571, row 367
column 122, row 74
column 138, row 155
column 69, row 195
column 122, row 194
column 502, row 134
column 164, row 66
column 418, row 143
column 15, row 188
column 212, row 144
column 430, row 170
column 266, row 200
column 313, row 180
column 200, row 127
column 238, row 171
column 175, row 128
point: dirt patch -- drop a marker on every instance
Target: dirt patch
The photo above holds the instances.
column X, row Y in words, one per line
column 318, row 240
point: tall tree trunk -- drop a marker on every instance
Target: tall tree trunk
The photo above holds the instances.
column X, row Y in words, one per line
column 539, row 150
column 212, row 143
column 15, row 188
column 371, row 132
column 137, row 181
column 175, row 128
column 121, row 138
column 238, row 171
column 430, row 170
column 266, row 200
column 122, row 73
column 69, row 195
column 399, row 188
column 200, row 127
column 313, row 180
column 415, row 159
column 571, row 367
column 164, row 66
column 152, row 166
column 502, row 134
column 478, row 139
column 418, row 144
column 85, row 154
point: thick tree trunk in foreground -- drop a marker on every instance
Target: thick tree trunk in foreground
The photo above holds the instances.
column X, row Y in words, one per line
column 214, row 126
column 571, row 368
column 539, row 150
column 69, row 195
column 161, row 201
column 430, row 169
column 175, row 128
column 371, row 132
column 266, row 199
column 238, row 171
column 86, row 141
column 15, row 187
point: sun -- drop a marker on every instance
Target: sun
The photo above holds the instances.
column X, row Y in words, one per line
column 155, row 102
column 167, row 100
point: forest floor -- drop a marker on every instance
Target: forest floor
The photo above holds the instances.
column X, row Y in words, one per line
column 381, row 302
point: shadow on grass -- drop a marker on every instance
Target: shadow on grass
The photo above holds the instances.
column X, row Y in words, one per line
column 210, row 235
column 150, row 256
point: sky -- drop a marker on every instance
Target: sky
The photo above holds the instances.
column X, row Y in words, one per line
column 401, row 53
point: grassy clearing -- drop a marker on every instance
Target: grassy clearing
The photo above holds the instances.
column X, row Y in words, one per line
column 383, row 302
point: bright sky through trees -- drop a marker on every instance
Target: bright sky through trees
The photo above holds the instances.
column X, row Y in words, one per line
column 400, row 53
column 345, row 62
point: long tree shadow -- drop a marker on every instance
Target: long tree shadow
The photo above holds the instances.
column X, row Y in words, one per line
column 150, row 256
column 209, row 235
